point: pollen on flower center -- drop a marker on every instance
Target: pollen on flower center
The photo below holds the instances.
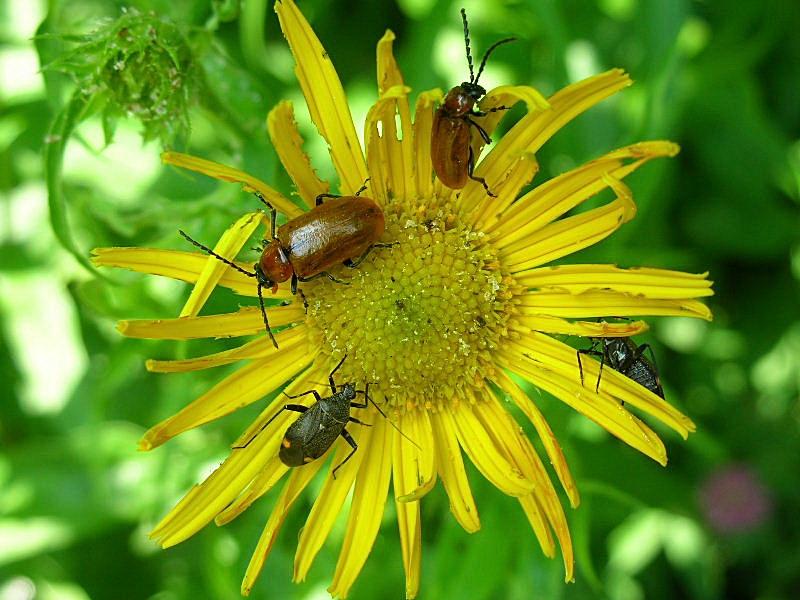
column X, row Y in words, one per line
column 418, row 319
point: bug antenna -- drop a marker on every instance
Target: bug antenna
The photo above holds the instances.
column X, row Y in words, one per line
column 264, row 314
column 383, row 414
column 208, row 250
column 489, row 51
column 363, row 188
column 466, row 41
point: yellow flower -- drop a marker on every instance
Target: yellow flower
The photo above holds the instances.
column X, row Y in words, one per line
column 444, row 324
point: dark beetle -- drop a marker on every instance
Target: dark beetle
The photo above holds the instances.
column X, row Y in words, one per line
column 624, row 356
column 304, row 248
column 451, row 150
column 320, row 424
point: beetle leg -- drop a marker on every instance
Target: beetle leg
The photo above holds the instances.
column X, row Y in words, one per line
column 318, row 201
column 303, row 298
column 354, row 420
column 336, row 368
column 352, row 264
column 486, row 137
column 272, row 213
column 316, row 395
column 483, row 113
column 264, row 314
column 349, row 439
column 481, row 180
column 363, row 188
column 323, row 274
column 292, row 407
column 294, row 283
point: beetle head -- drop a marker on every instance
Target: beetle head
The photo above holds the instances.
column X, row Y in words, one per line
column 273, row 267
column 473, row 90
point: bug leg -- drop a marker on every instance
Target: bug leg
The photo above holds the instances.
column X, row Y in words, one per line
column 354, row 420
column 486, row 138
column 600, row 372
column 316, row 395
column 320, row 197
column 292, row 407
column 294, row 283
column 349, row 439
column 352, row 264
column 481, row 180
column 336, row 368
column 591, row 351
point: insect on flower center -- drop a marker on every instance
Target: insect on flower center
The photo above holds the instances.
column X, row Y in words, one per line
column 419, row 319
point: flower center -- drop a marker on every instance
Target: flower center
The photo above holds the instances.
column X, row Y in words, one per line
column 419, row 319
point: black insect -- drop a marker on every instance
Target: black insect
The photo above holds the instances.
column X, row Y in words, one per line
column 320, row 424
column 624, row 356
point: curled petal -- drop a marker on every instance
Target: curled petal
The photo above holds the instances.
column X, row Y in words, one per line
column 229, row 174
column 289, row 145
column 324, row 95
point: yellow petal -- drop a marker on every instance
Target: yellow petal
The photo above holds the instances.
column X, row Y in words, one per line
column 600, row 408
column 423, row 126
column 483, row 452
column 245, row 321
column 330, row 500
column 208, row 499
column 502, row 427
column 549, row 441
column 646, row 282
column 386, row 157
column 606, row 303
column 289, row 145
column 366, row 512
column 533, row 130
column 184, row 266
column 261, row 348
column 227, row 247
column 535, row 514
column 409, row 523
column 506, row 185
column 401, row 146
column 414, row 463
column 569, row 235
column 555, row 325
column 266, row 479
column 241, row 388
column 451, row 470
column 297, row 482
column 229, row 174
column 324, row 95
column 559, row 195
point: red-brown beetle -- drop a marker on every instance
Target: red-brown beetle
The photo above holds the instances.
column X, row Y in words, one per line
column 334, row 232
column 451, row 150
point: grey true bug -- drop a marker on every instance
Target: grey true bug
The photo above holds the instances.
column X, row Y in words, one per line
column 624, row 356
column 451, row 149
column 310, row 436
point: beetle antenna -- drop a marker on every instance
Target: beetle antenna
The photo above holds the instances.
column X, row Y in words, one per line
column 264, row 314
column 363, row 188
column 466, row 41
column 208, row 250
column 489, row 51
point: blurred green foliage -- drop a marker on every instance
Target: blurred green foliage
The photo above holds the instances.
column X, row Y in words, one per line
column 76, row 500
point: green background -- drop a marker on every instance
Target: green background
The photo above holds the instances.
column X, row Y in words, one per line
column 76, row 499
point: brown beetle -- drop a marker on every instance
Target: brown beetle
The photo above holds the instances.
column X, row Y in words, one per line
column 334, row 232
column 451, row 150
